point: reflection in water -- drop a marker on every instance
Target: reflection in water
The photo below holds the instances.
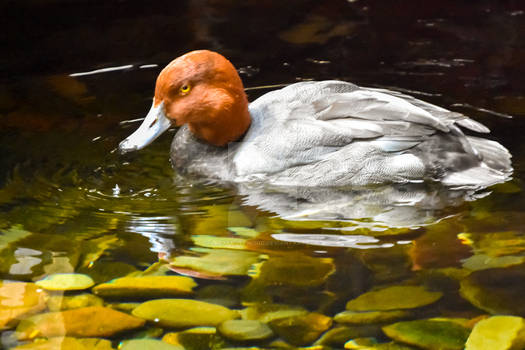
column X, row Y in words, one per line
column 407, row 205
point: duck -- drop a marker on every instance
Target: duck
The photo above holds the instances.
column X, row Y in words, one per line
column 313, row 133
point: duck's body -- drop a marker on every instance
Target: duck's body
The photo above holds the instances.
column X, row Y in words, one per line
column 328, row 133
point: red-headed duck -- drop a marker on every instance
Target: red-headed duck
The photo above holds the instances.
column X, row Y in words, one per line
column 325, row 133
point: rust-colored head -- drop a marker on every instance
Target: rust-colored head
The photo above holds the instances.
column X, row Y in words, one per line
column 201, row 89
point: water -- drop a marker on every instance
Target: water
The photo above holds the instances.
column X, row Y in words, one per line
column 76, row 80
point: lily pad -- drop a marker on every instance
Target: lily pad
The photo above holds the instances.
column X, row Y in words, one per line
column 19, row 299
column 429, row 334
column 243, row 330
column 498, row 333
column 368, row 317
column 394, row 298
column 489, row 290
column 66, row 282
column 219, row 262
column 302, row 329
column 94, row 321
column 183, row 313
column 67, row 343
column 147, row 344
column 67, row 302
column 147, row 286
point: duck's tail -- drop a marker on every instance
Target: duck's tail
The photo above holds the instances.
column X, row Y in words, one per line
column 495, row 166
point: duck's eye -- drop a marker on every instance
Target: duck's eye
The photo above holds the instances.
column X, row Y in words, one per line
column 184, row 89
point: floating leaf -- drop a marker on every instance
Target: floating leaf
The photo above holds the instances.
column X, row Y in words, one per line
column 393, row 298
column 183, row 313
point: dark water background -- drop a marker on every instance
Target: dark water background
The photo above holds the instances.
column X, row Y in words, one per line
column 61, row 121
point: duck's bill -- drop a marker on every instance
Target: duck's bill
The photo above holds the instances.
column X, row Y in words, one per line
column 152, row 127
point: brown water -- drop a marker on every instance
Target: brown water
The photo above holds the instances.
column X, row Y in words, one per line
column 70, row 203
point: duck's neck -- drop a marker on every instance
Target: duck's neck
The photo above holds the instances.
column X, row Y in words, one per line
column 226, row 122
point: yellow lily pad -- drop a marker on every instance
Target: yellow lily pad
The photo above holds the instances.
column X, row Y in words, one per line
column 146, row 286
column 66, row 282
column 183, row 313
column 429, row 334
column 393, row 298
column 498, row 333
column 93, row 321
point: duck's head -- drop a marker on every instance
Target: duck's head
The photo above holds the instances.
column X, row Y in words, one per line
column 201, row 89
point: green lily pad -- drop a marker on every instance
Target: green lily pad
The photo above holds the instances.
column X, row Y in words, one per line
column 489, row 290
column 67, row 343
column 93, row 321
column 429, row 334
column 368, row 317
column 183, row 313
column 219, row 262
column 394, row 298
column 243, row 330
column 147, row 344
column 498, row 333
column 302, row 329
column 147, row 286
column 66, row 282
column 67, row 302
column 17, row 300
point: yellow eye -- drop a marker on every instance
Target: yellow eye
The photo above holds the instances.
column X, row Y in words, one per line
column 184, row 89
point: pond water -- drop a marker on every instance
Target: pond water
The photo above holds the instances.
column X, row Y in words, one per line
column 78, row 77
